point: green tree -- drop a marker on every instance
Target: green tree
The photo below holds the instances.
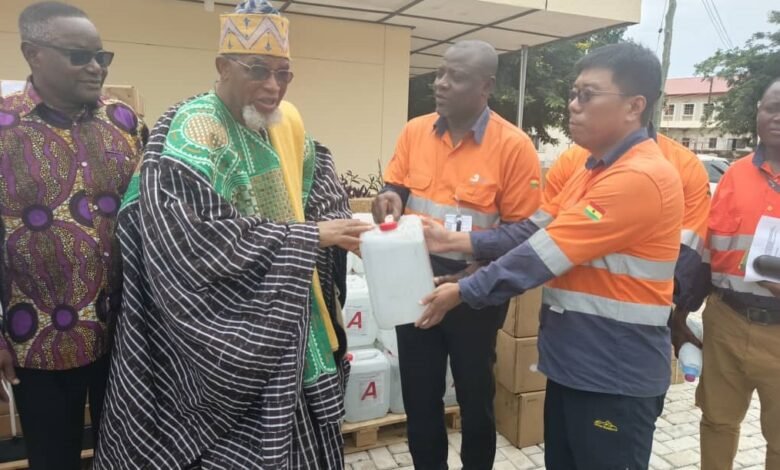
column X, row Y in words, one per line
column 550, row 75
column 748, row 70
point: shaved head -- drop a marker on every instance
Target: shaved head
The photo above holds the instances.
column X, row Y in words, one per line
column 465, row 80
column 478, row 54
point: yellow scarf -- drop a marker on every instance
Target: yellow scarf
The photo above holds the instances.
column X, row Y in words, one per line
column 288, row 139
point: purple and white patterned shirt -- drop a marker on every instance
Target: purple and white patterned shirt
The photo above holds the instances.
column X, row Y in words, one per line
column 61, row 183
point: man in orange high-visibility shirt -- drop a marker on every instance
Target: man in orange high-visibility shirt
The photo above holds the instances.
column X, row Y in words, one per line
column 605, row 249
column 470, row 169
column 696, row 192
column 742, row 319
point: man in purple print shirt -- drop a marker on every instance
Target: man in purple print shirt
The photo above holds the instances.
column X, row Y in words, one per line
column 66, row 157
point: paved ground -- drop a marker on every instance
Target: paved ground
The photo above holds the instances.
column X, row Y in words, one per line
column 676, row 443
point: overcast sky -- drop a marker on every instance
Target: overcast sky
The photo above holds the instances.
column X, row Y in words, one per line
column 695, row 38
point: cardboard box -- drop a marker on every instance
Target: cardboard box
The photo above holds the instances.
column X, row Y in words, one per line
column 127, row 94
column 677, row 375
column 520, row 417
column 522, row 318
column 361, row 204
column 515, row 356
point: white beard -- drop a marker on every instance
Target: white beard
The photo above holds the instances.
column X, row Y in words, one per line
column 256, row 120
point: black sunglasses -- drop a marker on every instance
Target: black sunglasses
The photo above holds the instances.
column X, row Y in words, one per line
column 585, row 95
column 262, row 73
column 81, row 57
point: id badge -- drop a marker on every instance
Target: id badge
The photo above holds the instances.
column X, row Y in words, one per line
column 458, row 223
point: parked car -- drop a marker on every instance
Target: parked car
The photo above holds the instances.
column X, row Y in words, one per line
column 715, row 166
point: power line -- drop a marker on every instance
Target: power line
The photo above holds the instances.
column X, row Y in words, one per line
column 720, row 22
column 714, row 23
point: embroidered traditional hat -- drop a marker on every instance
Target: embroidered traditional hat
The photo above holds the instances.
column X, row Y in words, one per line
column 256, row 27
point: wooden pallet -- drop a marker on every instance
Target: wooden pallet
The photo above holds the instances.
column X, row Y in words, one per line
column 385, row 431
column 23, row 464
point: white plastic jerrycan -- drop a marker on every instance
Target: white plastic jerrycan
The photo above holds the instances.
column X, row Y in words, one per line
column 368, row 388
column 389, row 344
column 359, row 320
column 398, row 271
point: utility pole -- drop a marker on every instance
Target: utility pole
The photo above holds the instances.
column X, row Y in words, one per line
column 668, row 29
column 521, row 85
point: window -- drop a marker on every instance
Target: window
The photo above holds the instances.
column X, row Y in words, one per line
column 713, row 142
column 688, row 110
column 742, row 143
column 708, row 109
column 686, row 141
column 669, row 112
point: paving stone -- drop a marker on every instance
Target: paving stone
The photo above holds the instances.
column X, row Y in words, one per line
column 364, row 465
column 537, row 459
column 659, row 448
column 681, row 459
column 662, row 423
column 677, row 406
column 403, row 459
column 453, row 458
column 682, row 417
column 751, row 457
column 681, row 430
column 399, row 448
column 455, row 440
column 683, row 443
column 382, row 458
column 751, row 442
column 518, row 458
column 533, row 450
column 357, row 457
column 501, row 441
column 658, row 463
column 661, row 436
column 505, row 465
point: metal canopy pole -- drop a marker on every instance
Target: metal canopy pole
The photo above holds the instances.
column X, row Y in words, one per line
column 521, row 85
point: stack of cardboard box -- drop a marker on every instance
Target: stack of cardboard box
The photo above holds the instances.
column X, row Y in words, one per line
column 519, row 402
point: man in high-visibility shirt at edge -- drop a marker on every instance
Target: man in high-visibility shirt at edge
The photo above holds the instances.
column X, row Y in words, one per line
column 606, row 248
column 742, row 319
column 470, row 169
column 696, row 193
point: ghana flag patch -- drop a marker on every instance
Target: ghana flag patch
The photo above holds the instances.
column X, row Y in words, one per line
column 594, row 211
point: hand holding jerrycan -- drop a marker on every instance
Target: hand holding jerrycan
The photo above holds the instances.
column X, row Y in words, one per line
column 398, row 270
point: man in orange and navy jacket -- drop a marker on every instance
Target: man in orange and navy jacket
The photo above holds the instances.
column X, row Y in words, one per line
column 606, row 249
column 696, row 192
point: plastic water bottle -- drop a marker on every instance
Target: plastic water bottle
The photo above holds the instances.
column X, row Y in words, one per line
column 690, row 355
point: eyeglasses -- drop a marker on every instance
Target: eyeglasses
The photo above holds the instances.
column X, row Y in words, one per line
column 585, row 95
column 81, row 57
column 262, row 73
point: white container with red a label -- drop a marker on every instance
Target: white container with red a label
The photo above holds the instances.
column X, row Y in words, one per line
column 368, row 388
column 359, row 321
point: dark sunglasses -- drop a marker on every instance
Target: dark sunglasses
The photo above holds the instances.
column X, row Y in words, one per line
column 262, row 73
column 585, row 95
column 81, row 57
